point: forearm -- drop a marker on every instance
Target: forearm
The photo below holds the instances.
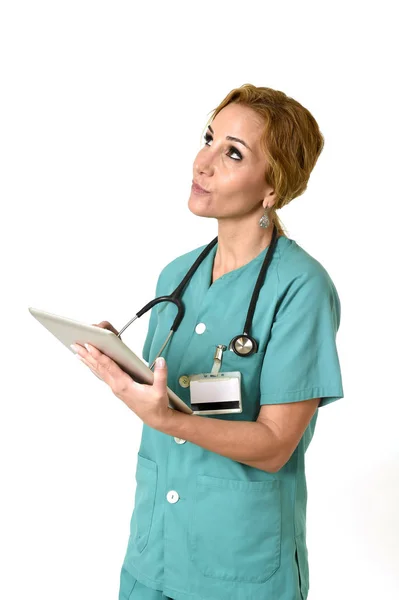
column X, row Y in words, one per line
column 249, row 442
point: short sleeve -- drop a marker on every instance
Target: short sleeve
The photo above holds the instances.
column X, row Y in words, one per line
column 301, row 359
column 152, row 324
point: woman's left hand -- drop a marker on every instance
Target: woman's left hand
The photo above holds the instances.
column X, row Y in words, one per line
column 149, row 402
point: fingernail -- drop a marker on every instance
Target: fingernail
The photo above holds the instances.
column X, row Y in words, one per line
column 74, row 348
column 87, row 347
column 160, row 362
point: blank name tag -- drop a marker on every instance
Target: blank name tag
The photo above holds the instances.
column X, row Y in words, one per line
column 218, row 394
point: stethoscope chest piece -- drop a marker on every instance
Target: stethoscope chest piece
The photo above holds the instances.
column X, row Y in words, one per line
column 243, row 345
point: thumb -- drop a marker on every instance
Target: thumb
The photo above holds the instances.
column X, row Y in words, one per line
column 160, row 375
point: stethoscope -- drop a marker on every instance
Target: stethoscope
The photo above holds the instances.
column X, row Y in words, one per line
column 243, row 344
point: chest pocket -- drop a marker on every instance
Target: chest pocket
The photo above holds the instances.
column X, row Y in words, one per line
column 235, row 528
column 250, row 368
column 146, row 486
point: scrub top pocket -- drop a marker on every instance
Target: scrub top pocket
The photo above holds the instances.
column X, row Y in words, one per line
column 250, row 368
column 146, row 486
column 235, row 528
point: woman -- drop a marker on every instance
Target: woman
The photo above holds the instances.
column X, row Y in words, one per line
column 220, row 505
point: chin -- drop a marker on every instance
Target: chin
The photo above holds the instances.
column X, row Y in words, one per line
column 199, row 206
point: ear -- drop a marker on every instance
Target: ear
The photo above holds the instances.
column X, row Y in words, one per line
column 269, row 199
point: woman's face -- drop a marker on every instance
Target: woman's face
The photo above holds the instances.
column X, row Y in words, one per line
column 233, row 173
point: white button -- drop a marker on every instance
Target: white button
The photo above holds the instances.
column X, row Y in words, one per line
column 184, row 381
column 172, row 496
column 179, row 440
column 200, row 328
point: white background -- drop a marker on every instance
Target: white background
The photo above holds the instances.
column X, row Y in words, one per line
column 102, row 110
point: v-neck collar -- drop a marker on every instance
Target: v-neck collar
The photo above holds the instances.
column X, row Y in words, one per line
column 207, row 266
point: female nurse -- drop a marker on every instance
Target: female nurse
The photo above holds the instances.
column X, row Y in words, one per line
column 220, row 503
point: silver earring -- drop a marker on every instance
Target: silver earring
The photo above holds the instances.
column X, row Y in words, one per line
column 264, row 221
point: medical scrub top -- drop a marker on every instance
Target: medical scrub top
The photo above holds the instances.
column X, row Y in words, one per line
column 204, row 526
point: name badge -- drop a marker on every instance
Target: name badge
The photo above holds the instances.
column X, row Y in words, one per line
column 215, row 394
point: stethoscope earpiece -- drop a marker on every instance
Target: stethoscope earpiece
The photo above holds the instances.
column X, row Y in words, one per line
column 243, row 345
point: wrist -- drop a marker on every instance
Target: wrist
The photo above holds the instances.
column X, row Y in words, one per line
column 164, row 423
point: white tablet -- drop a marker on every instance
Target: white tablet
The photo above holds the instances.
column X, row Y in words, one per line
column 69, row 332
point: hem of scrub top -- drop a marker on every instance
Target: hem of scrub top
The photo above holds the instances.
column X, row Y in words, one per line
column 144, row 580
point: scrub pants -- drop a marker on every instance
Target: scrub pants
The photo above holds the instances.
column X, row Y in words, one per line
column 131, row 589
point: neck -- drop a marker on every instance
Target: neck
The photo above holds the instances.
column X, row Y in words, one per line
column 239, row 244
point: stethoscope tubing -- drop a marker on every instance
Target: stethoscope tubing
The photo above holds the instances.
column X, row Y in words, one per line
column 175, row 297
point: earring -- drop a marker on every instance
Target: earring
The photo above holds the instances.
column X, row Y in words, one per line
column 264, row 221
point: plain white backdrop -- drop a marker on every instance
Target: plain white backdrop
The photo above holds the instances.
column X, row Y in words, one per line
column 102, row 108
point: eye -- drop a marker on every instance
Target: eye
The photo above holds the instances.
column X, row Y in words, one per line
column 208, row 137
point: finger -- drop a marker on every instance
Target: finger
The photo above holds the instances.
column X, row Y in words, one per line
column 160, row 377
column 93, row 350
column 95, row 359
column 78, row 346
column 107, row 325
column 108, row 369
column 96, row 374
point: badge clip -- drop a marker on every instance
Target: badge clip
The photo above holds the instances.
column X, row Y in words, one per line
column 217, row 359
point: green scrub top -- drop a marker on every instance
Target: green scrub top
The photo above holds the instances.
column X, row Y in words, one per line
column 204, row 526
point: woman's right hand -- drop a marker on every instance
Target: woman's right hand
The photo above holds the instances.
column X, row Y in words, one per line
column 104, row 325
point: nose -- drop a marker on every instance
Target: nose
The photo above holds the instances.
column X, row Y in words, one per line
column 203, row 165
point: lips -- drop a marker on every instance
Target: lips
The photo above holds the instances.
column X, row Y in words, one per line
column 198, row 189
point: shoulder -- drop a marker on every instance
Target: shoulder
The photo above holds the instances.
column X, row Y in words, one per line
column 301, row 276
column 296, row 265
column 295, row 261
column 181, row 264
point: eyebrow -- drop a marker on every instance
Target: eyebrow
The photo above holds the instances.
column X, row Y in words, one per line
column 229, row 137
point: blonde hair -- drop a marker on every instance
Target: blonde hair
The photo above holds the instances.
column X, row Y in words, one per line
column 291, row 141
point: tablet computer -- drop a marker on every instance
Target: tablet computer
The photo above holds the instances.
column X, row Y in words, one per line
column 69, row 332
